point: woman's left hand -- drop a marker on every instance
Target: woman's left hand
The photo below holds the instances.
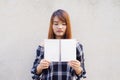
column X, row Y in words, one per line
column 75, row 64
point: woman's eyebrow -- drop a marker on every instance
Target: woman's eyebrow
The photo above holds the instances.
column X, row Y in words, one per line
column 59, row 21
column 55, row 21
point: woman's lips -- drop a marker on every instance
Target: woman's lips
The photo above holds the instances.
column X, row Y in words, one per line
column 59, row 31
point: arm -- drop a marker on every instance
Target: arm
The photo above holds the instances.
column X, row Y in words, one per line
column 78, row 65
column 44, row 64
column 75, row 64
column 80, row 57
column 39, row 56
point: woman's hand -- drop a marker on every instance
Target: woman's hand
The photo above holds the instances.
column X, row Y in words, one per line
column 44, row 64
column 75, row 64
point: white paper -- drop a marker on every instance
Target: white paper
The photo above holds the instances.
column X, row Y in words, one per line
column 68, row 50
column 51, row 50
column 60, row 49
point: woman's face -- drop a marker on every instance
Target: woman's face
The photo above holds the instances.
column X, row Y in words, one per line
column 59, row 28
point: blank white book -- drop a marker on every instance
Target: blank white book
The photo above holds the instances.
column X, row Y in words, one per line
column 60, row 49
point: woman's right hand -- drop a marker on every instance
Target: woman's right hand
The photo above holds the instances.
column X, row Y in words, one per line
column 44, row 64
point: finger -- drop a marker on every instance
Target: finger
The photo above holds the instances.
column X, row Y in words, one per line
column 75, row 63
column 69, row 63
column 72, row 65
column 44, row 61
column 45, row 66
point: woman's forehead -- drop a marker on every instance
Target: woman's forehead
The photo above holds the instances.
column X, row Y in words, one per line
column 57, row 19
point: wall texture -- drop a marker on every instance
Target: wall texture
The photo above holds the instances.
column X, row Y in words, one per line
column 95, row 23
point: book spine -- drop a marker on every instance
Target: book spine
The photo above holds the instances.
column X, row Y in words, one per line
column 59, row 50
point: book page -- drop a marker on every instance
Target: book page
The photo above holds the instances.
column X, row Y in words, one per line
column 68, row 49
column 51, row 49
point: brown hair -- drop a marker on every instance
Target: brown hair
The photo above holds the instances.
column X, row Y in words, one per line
column 63, row 16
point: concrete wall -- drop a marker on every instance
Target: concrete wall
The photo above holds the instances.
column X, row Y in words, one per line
column 24, row 23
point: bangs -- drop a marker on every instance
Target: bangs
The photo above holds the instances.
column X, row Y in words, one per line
column 61, row 16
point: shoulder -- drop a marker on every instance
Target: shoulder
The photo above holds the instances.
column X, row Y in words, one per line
column 41, row 43
column 78, row 42
column 79, row 45
column 40, row 48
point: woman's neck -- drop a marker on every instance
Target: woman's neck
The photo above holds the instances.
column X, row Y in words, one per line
column 58, row 37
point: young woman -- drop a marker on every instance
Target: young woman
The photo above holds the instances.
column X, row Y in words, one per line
column 42, row 69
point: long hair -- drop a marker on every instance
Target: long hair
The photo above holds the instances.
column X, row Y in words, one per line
column 64, row 17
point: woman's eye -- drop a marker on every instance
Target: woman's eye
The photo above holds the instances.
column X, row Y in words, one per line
column 64, row 24
column 55, row 24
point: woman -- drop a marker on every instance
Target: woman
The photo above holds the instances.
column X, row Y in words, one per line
column 42, row 69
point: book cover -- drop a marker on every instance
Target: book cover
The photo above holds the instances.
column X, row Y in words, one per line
column 60, row 49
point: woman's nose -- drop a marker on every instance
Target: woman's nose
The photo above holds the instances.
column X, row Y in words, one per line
column 60, row 26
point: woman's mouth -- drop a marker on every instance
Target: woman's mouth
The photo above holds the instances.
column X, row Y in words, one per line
column 59, row 31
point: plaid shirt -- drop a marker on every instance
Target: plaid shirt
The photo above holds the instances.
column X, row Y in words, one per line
column 58, row 70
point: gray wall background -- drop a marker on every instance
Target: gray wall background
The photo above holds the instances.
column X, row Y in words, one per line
column 95, row 23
